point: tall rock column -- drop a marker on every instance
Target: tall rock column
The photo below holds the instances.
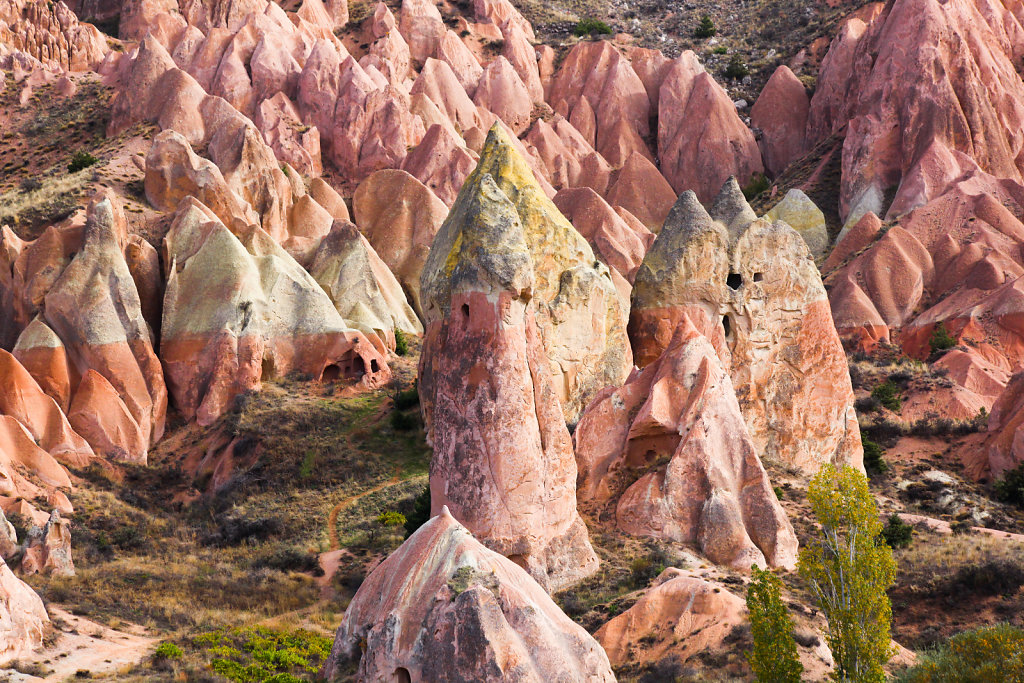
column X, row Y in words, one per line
column 503, row 460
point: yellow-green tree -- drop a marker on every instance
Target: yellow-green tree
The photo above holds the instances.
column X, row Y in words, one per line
column 774, row 658
column 849, row 568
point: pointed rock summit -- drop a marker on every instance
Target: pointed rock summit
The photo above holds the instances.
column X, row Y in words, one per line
column 444, row 608
column 751, row 287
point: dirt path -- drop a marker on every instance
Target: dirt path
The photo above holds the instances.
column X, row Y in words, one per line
column 332, row 519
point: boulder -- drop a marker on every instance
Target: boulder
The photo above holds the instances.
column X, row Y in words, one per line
column 47, row 549
column 751, row 287
column 23, row 618
column 578, row 312
column 445, row 608
column 780, row 112
column 669, row 451
column 399, row 216
column 268, row 318
column 701, row 139
column 364, row 291
column 503, row 459
column 800, row 213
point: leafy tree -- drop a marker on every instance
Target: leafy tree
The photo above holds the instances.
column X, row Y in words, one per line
column 849, row 568
column 591, row 27
column 992, row 653
column 706, row 28
column 887, row 393
column 941, row 339
column 774, row 658
column 391, row 518
column 736, row 69
column 873, row 460
column 896, row 533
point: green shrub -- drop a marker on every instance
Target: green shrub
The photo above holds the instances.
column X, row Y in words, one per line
column 706, row 28
column 758, row 183
column 992, row 653
column 721, row 50
column 736, row 69
column 167, row 650
column 887, row 393
column 941, row 339
column 391, row 518
column 403, row 422
column 774, row 658
column 420, row 512
column 407, row 399
column 896, row 534
column 873, row 461
column 80, row 160
column 591, row 27
column 779, row 493
column 263, row 655
column 1010, row 488
column 401, row 343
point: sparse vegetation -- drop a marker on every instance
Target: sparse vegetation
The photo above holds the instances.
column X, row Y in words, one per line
column 720, row 50
column 706, row 28
column 896, row 533
column 736, row 69
column 888, row 395
column 774, row 657
column 591, row 27
column 874, row 463
column 994, row 653
column 262, row 655
column 849, row 569
column 941, row 339
column 401, row 343
column 1010, row 487
column 758, row 183
column 81, row 160
column 420, row 512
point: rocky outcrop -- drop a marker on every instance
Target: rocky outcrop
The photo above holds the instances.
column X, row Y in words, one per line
column 445, row 608
column 47, row 549
column 670, row 453
column 701, row 139
column 441, row 162
column 678, row 615
column 503, row 460
column 23, row 618
column 399, row 216
column 363, row 290
column 800, row 213
column 578, row 313
column 239, row 309
column 780, row 112
column 51, row 33
column 641, row 189
column 751, row 287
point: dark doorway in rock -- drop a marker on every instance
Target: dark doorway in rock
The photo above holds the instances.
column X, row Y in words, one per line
column 734, row 281
column 267, row 368
column 374, row 366
column 402, row 675
column 727, row 325
column 758, row 277
column 465, row 311
column 331, row 373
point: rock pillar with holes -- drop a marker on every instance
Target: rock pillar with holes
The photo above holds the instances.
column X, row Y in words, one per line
column 751, row 287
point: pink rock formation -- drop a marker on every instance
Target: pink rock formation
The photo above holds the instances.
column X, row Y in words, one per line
column 441, row 162
column 41, row 352
column 20, row 456
column 51, row 33
column 520, row 53
column 501, row 91
column 753, row 290
column 47, row 549
column 641, row 189
column 678, row 615
column 23, row 618
column 701, row 139
column 276, row 319
column 681, row 410
column 439, row 83
column 501, row 12
column 293, row 143
column 596, row 82
column 422, row 27
column 1005, row 443
column 781, row 113
column 445, row 608
column 399, row 217
column 502, row 458
column 453, row 52
column 937, row 95
column 569, row 160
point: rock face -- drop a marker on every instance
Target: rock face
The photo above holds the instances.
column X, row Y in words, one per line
column 751, row 287
column 781, row 113
column 1005, row 442
column 579, row 315
column 274, row 320
column 677, row 425
column 798, row 212
column 23, row 617
column 503, row 460
column 701, row 139
column 445, row 608
column 679, row 615
column 48, row 549
column 51, row 33
column 362, row 288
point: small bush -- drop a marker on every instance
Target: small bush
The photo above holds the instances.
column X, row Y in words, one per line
column 401, row 343
column 758, row 183
column 897, row 534
column 420, row 512
column 887, row 393
column 706, row 28
column 941, row 339
column 168, row 650
column 1010, row 488
column 403, row 422
column 721, row 50
column 407, row 399
column 80, row 160
column 592, row 27
column 736, row 69
column 778, row 492
column 391, row 518
column 873, row 461
column 992, row 653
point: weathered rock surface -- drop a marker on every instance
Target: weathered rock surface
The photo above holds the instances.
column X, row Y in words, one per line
column 781, row 112
column 712, row 491
column 800, row 213
column 23, row 618
column 274, row 320
column 503, row 460
column 578, row 312
column 752, row 288
column 643, row 191
column 47, row 549
column 445, row 608
column 51, row 33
